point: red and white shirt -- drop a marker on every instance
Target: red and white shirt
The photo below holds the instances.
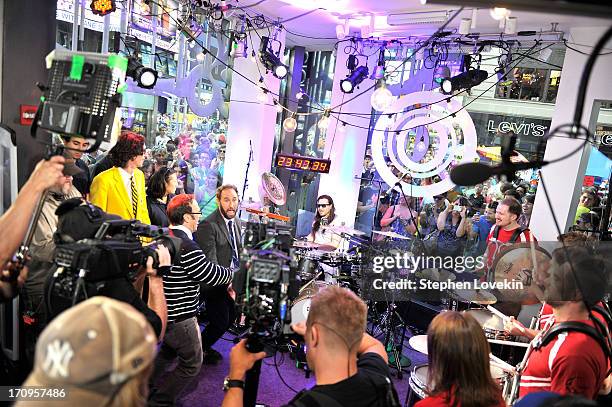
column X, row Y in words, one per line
column 503, row 237
column 572, row 363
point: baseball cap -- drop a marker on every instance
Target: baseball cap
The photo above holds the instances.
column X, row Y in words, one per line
column 92, row 349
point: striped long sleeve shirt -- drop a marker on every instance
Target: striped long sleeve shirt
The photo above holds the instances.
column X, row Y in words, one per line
column 182, row 284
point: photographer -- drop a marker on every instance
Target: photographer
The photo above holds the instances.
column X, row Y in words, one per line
column 17, row 217
column 350, row 366
column 182, row 289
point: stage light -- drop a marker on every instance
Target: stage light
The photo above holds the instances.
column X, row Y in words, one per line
column 340, row 33
column 145, row 77
column 353, row 79
column 271, row 61
column 290, row 124
column 103, row 7
column 379, row 71
column 382, row 98
column 440, row 73
column 465, row 26
column 465, row 80
column 511, row 26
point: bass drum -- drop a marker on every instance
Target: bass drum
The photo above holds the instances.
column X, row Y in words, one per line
column 417, row 390
column 301, row 305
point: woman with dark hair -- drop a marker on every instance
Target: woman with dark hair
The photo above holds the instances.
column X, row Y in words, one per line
column 459, row 372
column 325, row 216
column 160, row 190
column 147, row 169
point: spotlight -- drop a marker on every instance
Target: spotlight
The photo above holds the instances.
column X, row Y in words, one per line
column 499, row 13
column 145, row 77
column 379, row 71
column 353, row 79
column 465, row 80
column 440, row 73
column 271, row 61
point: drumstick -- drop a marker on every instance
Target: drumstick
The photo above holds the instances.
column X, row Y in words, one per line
column 504, row 317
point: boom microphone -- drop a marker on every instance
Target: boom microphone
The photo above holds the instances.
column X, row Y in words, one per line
column 475, row 173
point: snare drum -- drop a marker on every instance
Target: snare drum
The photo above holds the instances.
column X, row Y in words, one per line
column 301, row 305
column 418, row 383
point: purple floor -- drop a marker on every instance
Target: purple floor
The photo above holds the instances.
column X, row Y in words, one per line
column 207, row 391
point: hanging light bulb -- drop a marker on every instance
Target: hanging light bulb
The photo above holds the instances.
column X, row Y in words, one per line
column 499, row 13
column 200, row 57
column 323, row 123
column 262, row 97
column 290, row 124
column 279, row 108
column 382, row 98
column 253, row 57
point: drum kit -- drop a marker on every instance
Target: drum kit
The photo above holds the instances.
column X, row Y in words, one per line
column 492, row 322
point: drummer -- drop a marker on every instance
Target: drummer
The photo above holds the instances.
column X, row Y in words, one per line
column 325, row 216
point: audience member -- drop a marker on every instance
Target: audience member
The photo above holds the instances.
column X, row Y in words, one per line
column 161, row 188
column 121, row 189
column 75, row 146
column 99, row 352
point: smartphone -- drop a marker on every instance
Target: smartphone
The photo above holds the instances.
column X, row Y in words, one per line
column 458, row 208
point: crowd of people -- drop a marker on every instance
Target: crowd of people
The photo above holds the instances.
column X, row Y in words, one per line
column 141, row 342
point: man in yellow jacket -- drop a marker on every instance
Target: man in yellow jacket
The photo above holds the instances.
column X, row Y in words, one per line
column 120, row 190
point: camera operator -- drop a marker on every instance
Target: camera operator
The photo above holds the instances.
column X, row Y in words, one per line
column 350, row 366
column 182, row 289
column 17, row 217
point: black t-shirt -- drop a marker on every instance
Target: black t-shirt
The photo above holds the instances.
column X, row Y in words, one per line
column 359, row 389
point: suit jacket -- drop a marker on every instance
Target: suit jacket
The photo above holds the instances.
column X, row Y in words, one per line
column 109, row 193
column 213, row 237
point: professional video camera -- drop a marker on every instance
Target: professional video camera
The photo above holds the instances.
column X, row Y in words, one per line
column 266, row 282
column 93, row 247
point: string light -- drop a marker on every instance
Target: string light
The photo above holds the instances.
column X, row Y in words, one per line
column 290, row 124
column 323, row 123
column 382, row 98
column 262, row 97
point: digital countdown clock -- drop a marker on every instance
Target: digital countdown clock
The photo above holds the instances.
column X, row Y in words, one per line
column 297, row 162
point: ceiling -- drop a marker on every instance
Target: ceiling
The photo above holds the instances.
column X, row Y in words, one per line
column 316, row 29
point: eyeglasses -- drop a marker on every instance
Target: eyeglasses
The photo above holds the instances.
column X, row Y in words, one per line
column 194, row 213
column 323, row 205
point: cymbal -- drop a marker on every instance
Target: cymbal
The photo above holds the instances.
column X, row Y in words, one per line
column 435, row 274
column 481, row 297
column 419, row 343
column 344, row 229
column 390, row 234
column 313, row 246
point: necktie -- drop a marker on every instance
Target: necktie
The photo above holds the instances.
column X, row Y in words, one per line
column 134, row 196
column 235, row 260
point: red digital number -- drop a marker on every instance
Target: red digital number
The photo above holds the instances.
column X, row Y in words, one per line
column 281, row 161
column 323, row 167
column 288, row 162
column 315, row 165
column 306, row 165
column 298, row 163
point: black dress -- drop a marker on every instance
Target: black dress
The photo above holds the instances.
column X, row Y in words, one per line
column 157, row 212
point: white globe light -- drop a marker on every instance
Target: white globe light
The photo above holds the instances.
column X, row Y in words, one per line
column 280, row 71
column 200, row 57
column 290, row 124
column 323, row 123
column 499, row 13
column 447, row 86
column 262, row 97
column 381, row 99
column 279, row 108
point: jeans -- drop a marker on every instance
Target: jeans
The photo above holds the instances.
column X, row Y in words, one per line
column 182, row 341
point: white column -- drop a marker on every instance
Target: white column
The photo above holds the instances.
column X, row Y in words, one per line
column 250, row 124
column 564, row 179
column 346, row 149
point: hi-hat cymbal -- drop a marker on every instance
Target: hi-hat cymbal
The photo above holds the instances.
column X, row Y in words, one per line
column 344, row 229
column 390, row 234
column 482, row 297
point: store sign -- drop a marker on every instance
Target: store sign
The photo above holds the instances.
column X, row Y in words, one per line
column 26, row 114
column 92, row 22
column 520, row 126
column 142, row 17
column 604, row 134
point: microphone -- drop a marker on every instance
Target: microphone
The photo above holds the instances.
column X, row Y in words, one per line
column 475, row 173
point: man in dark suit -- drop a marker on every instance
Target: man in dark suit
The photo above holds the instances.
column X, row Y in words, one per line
column 219, row 237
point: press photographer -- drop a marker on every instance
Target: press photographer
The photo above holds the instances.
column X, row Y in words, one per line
column 350, row 366
column 100, row 254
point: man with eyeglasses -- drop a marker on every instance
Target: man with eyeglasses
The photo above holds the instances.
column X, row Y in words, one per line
column 219, row 237
column 182, row 340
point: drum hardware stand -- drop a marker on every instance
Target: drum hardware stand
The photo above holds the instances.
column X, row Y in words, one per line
column 394, row 350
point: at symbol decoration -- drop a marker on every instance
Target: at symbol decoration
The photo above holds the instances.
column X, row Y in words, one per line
column 423, row 150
